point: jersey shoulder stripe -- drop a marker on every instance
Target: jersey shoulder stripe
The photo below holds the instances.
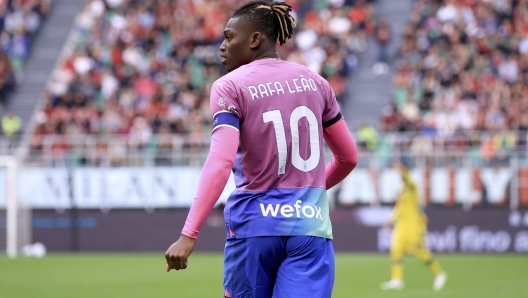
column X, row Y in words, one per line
column 333, row 120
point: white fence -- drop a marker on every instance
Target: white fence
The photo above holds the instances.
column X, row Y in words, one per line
column 463, row 148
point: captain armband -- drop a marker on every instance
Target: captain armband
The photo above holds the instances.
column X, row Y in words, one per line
column 226, row 118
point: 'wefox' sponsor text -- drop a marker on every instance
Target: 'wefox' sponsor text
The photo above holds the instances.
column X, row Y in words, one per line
column 291, row 210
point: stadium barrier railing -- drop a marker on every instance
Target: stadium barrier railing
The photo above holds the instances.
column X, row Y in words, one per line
column 486, row 169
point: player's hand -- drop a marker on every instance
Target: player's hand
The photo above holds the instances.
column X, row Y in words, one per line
column 179, row 252
column 387, row 226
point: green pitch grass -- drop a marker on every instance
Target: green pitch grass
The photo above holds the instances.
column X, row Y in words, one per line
column 143, row 275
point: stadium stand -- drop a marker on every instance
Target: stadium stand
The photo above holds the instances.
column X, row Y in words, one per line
column 140, row 73
column 20, row 20
column 461, row 80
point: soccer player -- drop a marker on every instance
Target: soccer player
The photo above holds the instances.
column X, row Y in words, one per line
column 408, row 236
column 270, row 118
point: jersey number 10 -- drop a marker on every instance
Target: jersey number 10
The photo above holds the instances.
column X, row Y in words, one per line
column 298, row 162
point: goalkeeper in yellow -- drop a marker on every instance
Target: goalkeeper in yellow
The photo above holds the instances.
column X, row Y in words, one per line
column 408, row 236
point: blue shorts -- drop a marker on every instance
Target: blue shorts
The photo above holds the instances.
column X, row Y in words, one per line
column 279, row 267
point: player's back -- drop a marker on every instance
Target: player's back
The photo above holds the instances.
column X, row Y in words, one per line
column 280, row 170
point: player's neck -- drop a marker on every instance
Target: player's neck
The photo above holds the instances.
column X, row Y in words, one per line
column 269, row 53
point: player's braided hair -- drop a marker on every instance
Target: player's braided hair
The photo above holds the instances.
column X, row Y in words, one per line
column 261, row 14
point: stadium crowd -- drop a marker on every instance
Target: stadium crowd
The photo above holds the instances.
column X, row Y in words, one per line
column 20, row 20
column 461, row 77
column 139, row 70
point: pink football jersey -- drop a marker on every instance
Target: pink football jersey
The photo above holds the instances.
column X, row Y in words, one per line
column 280, row 109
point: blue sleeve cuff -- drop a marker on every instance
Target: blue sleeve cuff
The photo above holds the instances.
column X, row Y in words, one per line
column 226, row 118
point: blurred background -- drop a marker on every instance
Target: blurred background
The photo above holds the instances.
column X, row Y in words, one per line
column 105, row 119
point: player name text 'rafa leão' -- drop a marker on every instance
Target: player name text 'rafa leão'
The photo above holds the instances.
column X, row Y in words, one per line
column 294, row 85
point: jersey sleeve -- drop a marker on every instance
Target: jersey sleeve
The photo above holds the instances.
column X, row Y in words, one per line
column 344, row 150
column 332, row 112
column 224, row 104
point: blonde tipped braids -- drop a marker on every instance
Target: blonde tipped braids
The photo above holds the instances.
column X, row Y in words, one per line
column 261, row 14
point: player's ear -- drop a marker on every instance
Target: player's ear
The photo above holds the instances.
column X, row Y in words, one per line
column 256, row 40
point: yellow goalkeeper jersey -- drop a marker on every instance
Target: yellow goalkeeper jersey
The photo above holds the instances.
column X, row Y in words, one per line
column 408, row 211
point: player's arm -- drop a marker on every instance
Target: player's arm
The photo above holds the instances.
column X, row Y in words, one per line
column 407, row 179
column 341, row 143
column 215, row 173
column 393, row 218
column 402, row 205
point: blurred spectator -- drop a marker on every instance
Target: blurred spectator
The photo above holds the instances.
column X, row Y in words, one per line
column 410, row 110
column 11, row 124
column 367, row 137
column 422, row 146
column 140, row 133
column 7, row 77
column 382, row 37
